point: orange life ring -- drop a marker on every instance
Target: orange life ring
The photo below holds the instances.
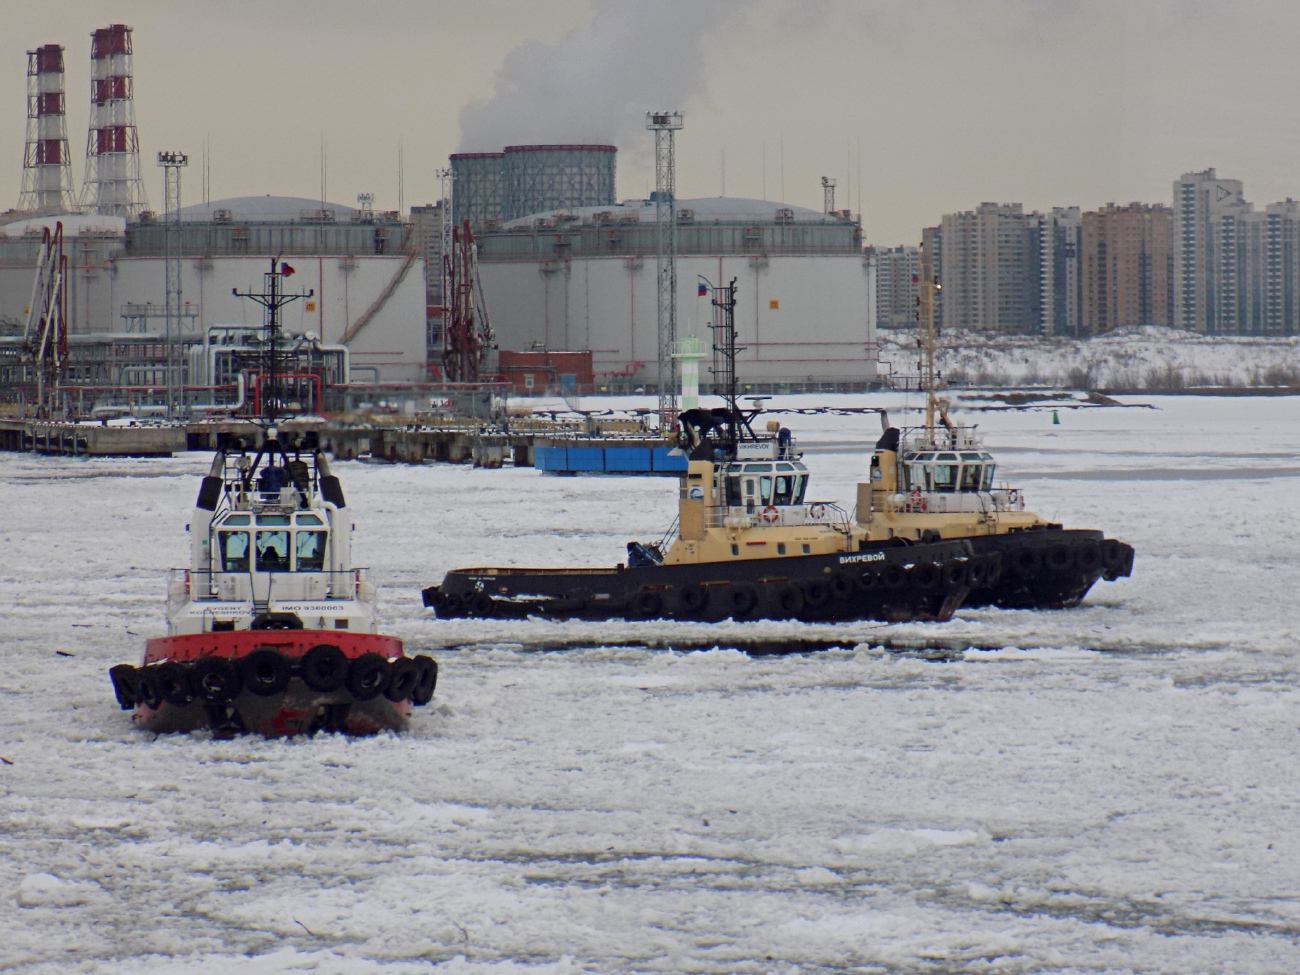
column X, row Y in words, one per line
column 769, row 515
column 917, row 500
column 1012, row 497
column 817, row 511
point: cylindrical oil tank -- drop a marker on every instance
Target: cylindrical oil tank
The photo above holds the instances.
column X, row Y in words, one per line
column 476, row 191
column 539, row 178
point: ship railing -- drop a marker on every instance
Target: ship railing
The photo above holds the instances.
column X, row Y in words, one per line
column 956, row 502
column 202, row 585
column 809, row 513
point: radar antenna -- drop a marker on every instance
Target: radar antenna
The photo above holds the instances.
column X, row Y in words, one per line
column 272, row 299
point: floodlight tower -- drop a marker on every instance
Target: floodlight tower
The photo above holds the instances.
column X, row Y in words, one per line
column 663, row 125
column 828, row 195
column 172, row 163
column 47, row 163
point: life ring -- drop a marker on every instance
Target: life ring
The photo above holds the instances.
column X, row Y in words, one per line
column 817, row 511
column 1013, row 498
column 769, row 515
column 917, row 500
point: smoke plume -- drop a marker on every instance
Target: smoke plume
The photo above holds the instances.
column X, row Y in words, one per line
column 596, row 84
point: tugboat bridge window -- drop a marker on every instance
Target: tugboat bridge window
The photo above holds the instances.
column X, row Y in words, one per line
column 309, row 551
column 273, row 551
column 234, row 551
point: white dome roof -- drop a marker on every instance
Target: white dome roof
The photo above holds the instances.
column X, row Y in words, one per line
column 265, row 209
column 707, row 209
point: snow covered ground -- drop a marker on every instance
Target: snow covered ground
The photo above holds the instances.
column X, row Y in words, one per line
column 1126, row 359
column 1106, row 789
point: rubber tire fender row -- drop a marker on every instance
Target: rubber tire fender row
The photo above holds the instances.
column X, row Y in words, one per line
column 1060, row 557
column 977, row 572
column 992, row 569
column 449, row 606
column 741, row 601
column 149, row 687
column 324, row 668
column 1088, row 557
column 368, row 676
column 174, row 683
column 789, row 600
column 126, row 685
column 265, row 672
column 647, row 604
column 1112, row 554
column 427, row 682
column 1026, row 562
column 816, row 593
column 954, row 574
column 404, row 676
column 893, row 576
column 215, row 680
column 693, row 599
column 480, row 605
column 841, row 585
column 924, row 576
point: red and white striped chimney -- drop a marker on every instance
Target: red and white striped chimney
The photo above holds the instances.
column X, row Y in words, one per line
column 47, row 163
column 113, row 185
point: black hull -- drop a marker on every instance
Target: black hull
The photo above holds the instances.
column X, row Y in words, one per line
column 1048, row 568
column 893, row 582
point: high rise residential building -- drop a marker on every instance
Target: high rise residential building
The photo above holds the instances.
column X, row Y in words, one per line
column 898, row 270
column 1127, row 267
column 988, row 269
column 1207, row 226
column 1270, row 280
column 1057, row 249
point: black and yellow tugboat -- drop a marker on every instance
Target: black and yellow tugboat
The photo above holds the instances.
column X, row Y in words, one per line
column 936, row 482
column 748, row 542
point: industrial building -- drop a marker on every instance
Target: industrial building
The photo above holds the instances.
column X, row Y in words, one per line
column 584, row 278
column 368, row 293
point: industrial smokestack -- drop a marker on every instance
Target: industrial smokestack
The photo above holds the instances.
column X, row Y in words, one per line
column 47, row 163
column 113, row 185
column 596, row 84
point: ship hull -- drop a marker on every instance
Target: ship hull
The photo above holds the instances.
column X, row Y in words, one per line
column 277, row 683
column 893, row 582
column 1048, row 568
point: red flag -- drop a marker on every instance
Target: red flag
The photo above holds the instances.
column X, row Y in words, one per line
column 285, row 269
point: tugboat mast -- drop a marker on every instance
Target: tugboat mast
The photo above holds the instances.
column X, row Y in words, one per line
column 272, row 300
column 925, row 325
column 724, row 359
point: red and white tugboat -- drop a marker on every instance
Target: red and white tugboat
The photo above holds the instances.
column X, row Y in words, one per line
column 271, row 629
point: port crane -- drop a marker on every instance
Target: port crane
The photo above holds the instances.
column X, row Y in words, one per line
column 45, row 337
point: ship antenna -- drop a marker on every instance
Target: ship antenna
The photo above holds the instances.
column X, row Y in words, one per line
column 272, row 299
column 929, row 287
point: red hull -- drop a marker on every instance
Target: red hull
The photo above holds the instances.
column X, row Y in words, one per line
column 297, row 709
column 291, row 643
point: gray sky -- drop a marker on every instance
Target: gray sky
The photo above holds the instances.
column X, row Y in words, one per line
column 953, row 102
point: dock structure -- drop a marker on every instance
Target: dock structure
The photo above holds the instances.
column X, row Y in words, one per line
column 92, row 439
column 559, row 446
